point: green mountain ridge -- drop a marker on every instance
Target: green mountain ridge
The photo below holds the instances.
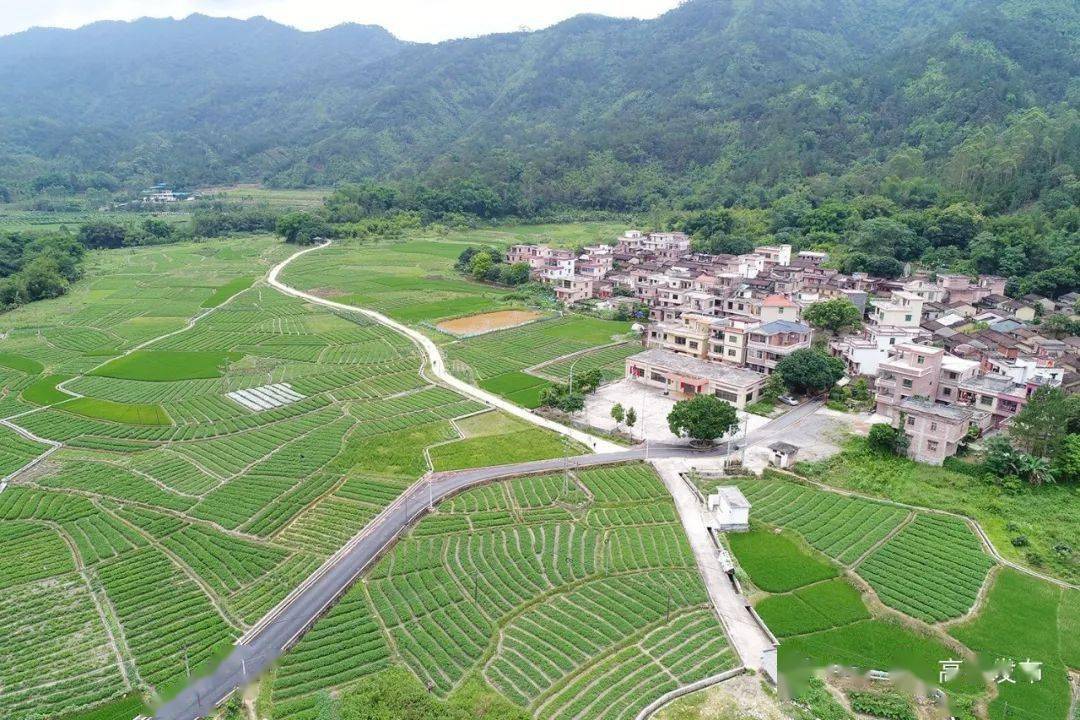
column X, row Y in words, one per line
column 714, row 102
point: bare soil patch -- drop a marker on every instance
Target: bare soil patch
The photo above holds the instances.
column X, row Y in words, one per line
column 487, row 322
column 327, row 293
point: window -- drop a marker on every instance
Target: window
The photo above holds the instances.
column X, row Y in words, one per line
column 931, row 445
column 733, row 338
column 730, row 397
column 906, row 383
column 892, row 341
column 947, row 392
column 951, row 375
column 919, row 359
column 911, row 421
column 657, row 377
column 907, row 318
column 987, row 400
column 680, row 341
column 731, row 352
column 933, row 426
column 693, row 345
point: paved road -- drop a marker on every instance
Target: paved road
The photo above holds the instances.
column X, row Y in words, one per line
column 275, row 633
column 257, row 650
column 435, row 358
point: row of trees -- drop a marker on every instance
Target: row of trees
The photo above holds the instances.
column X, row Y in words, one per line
column 488, row 264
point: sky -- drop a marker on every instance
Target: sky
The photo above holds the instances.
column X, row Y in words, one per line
column 416, row 20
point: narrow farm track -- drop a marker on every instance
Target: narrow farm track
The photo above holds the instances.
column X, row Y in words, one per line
column 435, row 360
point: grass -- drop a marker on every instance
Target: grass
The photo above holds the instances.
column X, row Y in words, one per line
column 777, row 561
column 1021, row 620
column 126, row 413
column 44, row 391
column 1047, row 516
column 226, row 291
column 168, row 365
column 20, row 363
column 500, row 440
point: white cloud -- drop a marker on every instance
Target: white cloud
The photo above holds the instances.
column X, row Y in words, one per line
column 419, row 20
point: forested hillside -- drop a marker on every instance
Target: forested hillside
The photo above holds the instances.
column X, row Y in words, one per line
column 718, row 102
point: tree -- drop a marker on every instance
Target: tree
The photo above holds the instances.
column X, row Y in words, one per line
column 480, row 265
column 702, row 418
column 587, row 381
column 1000, row 456
column 885, row 236
column 834, row 315
column 810, row 371
column 1067, row 462
column 887, row 439
column 102, row 235
column 301, row 228
column 631, row 417
column 618, row 414
column 1060, row 326
column 1042, row 424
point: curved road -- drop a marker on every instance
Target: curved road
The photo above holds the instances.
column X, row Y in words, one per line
column 435, row 358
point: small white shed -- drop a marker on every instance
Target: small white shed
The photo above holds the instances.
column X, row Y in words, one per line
column 729, row 509
column 783, row 454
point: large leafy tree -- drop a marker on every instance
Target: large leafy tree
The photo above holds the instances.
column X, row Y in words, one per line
column 301, row 228
column 810, row 371
column 703, row 418
column 1041, row 426
column 834, row 315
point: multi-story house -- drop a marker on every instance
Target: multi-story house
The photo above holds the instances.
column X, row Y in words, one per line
column 934, row 431
column 890, row 322
column 774, row 254
column 960, row 288
column 771, row 342
column 664, row 246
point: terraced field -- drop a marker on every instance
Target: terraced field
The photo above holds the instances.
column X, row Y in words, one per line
column 571, row 596
column 175, row 516
column 928, row 566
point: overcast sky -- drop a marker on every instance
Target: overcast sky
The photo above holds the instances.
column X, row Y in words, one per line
column 419, row 20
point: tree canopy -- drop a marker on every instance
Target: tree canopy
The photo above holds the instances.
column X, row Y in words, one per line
column 809, row 371
column 703, row 418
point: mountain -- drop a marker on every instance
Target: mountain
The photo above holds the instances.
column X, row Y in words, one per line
column 717, row 101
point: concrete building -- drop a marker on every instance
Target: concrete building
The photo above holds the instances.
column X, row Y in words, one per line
column 729, row 508
column 775, row 254
column 771, row 342
column 685, row 376
column 934, row 431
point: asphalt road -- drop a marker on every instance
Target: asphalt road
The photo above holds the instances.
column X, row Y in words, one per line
column 272, row 636
column 270, row 639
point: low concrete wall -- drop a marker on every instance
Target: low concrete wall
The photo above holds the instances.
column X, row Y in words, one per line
column 686, row 690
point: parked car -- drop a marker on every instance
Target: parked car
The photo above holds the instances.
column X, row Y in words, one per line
column 788, row 400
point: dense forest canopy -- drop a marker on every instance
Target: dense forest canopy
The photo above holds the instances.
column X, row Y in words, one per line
column 947, row 131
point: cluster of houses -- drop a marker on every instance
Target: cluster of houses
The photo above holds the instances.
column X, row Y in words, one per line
column 944, row 353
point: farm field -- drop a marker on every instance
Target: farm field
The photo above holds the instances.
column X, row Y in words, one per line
column 552, row 590
column 280, row 198
column 175, row 516
column 928, row 567
column 1046, row 516
column 495, row 438
column 414, row 281
column 610, row 361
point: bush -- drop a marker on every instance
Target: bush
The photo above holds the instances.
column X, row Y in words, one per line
column 887, row 439
column 1020, row 541
column 888, row 705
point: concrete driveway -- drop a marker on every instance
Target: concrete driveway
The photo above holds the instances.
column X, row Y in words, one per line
column 652, row 408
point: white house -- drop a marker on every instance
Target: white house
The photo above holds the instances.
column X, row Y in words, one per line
column 729, row 508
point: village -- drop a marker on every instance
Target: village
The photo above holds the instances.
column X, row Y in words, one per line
column 946, row 356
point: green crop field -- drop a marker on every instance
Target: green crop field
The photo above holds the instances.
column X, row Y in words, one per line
column 175, row 516
column 569, row 596
column 1046, row 516
column 414, row 281
column 927, row 566
column 610, row 361
column 1026, row 619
